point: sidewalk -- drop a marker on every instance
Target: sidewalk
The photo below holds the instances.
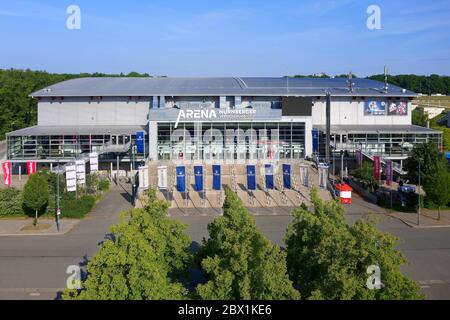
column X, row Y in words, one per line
column 428, row 219
column 20, row 227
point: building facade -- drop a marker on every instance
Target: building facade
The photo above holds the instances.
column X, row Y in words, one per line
column 216, row 120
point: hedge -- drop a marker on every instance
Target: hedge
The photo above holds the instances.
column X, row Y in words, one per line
column 11, row 202
column 76, row 208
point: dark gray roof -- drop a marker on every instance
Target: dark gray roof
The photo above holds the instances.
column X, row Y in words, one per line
column 249, row 86
column 376, row 128
column 75, row 130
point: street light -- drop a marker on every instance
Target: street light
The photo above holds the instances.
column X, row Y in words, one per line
column 418, row 211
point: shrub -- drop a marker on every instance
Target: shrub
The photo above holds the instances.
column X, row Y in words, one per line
column 103, row 185
column 10, row 202
column 76, row 208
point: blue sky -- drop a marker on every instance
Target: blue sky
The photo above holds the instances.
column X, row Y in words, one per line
column 226, row 38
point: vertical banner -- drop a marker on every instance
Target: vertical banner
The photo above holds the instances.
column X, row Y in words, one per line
column 71, row 177
column 143, row 177
column 376, row 167
column 251, row 177
column 31, row 167
column 140, row 141
column 7, row 179
column 198, row 176
column 323, row 175
column 81, row 171
column 358, row 156
column 162, row 177
column 389, row 172
column 269, row 176
column 286, row 176
column 315, row 139
column 304, row 175
column 93, row 161
column 216, row 177
column 181, row 178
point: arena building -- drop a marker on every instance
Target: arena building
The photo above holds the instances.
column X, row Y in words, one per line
column 215, row 120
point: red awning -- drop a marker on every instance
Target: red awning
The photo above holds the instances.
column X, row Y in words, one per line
column 343, row 187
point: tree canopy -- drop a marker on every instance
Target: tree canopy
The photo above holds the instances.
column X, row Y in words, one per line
column 429, row 157
column 17, row 109
column 328, row 259
column 35, row 195
column 239, row 262
column 147, row 258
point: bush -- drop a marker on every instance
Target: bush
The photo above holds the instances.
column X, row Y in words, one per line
column 103, row 185
column 76, row 208
column 10, row 202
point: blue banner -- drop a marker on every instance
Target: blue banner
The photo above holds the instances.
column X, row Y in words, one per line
column 181, row 178
column 269, row 176
column 251, row 177
column 286, row 176
column 216, row 177
column 198, row 173
column 315, row 139
column 140, row 141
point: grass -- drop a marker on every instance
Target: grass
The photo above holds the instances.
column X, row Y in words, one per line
column 434, row 101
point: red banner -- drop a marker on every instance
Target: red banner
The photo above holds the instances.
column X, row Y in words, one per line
column 376, row 167
column 6, row 166
column 31, row 167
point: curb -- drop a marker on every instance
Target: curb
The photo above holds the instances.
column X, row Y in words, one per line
column 412, row 225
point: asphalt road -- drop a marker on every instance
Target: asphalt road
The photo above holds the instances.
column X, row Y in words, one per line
column 427, row 250
column 34, row 267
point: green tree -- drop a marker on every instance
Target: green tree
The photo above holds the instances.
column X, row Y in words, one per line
column 35, row 194
column 419, row 117
column 147, row 258
column 437, row 187
column 239, row 262
column 365, row 175
column 328, row 259
column 429, row 157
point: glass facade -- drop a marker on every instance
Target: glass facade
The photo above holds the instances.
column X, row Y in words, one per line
column 386, row 145
column 231, row 141
column 70, row 146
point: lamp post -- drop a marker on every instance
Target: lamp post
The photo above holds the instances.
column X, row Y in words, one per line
column 58, row 209
column 418, row 211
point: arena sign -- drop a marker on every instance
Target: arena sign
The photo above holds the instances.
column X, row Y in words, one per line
column 213, row 114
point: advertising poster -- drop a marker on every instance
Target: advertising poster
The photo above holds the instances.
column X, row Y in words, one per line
column 399, row 108
column 198, row 177
column 389, row 173
column 251, row 177
column 31, row 167
column 93, row 161
column 216, row 177
column 162, row 177
column 181, row 178
column 6, row 166
column 143, row 177
column 358, row 156
column 71, row 178
column 376, row 167
column 304, row 175
column 140, row 141
column 81, row 171
column 374, row 108
column 269, row 176
column 286, row 176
